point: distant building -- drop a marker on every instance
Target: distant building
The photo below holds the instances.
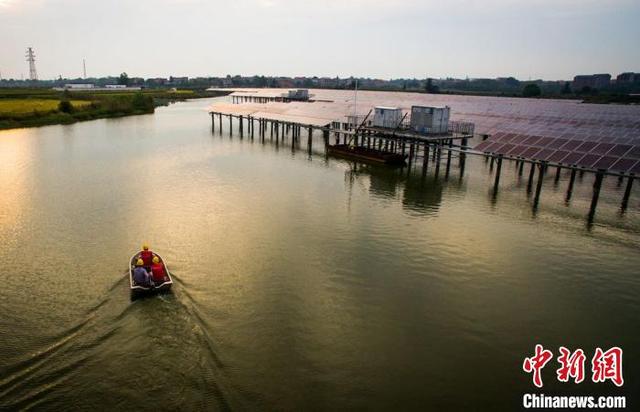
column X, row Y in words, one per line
column 298, row 94
column 285, row 82
column 378, row 82
column 158, row 81
column 137, row 81
column 91, row 87
column 79, row 86
column 628, row 77
column 178, row 80
column 201, row 80
column 594, row 81
column 326, row 82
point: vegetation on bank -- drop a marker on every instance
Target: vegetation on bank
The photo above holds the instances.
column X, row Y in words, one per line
column 28, row 112
column 39, row 107
column 28, row 106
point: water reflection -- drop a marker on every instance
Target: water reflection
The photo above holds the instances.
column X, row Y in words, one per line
column 301, row 281
column 424, row 196
column 420, row 193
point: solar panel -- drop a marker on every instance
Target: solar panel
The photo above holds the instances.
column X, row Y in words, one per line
column 605, row 162
column 557, row 156
column 587, row 154
column 557, row 143
column 603, row 148
column 572, row 144
column 567, row 131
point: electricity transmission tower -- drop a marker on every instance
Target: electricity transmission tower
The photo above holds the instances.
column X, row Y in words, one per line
column 31, row 58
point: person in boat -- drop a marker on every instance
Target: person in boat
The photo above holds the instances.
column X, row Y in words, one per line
column 147, row 256
column 157, row 270
column 140, row 275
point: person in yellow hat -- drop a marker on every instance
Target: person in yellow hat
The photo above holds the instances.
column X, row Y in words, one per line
column 158, row 272
column 146, row 255
column 140, row 275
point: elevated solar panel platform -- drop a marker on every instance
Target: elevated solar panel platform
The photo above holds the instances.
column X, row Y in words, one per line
column 589, row 154
column 563, row 132
column 566, row 134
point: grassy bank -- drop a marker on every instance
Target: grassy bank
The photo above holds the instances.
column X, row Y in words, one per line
column 40, row 107
column 27, row 106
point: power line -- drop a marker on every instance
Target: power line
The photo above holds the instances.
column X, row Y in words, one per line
column 31, row 58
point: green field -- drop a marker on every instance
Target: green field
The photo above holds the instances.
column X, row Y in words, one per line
column 29, row 111
column 23, row 106
column 39, row 107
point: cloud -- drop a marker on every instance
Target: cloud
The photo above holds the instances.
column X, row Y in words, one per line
column 390, row 38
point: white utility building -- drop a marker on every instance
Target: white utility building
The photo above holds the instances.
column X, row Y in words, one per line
column 79, row 86
column 299, row 94
column 387, row 117
column 425, row 119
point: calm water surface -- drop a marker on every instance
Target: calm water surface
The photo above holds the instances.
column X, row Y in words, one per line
column 301, row 281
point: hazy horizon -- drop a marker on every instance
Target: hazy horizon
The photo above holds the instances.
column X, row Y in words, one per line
column 542, row 39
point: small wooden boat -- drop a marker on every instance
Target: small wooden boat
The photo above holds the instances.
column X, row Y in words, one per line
column 140, row 290
column 366, row 154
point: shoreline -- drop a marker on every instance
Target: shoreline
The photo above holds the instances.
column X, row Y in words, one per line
column 66, row 119
column 98, row 106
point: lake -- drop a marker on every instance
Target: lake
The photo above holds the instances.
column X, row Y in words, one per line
column 302, row 282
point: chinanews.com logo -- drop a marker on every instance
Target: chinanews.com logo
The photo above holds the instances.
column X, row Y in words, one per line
column 605, row 366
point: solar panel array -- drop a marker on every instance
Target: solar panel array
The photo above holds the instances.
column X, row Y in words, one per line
column 294, row 112
column 592, row 136
column 590, row 154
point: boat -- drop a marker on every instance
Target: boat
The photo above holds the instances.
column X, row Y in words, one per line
column 139, row 290
column 366, row 154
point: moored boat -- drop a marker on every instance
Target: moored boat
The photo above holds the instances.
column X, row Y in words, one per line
column 140, row 290
column 366, row 154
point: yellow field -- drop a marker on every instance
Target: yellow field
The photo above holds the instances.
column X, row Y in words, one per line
column 21, row 106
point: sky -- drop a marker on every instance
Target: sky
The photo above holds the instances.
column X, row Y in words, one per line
column 527, row 39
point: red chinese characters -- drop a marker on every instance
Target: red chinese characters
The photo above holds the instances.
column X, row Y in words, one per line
column 536, row 363
column 607, row 365
column 604, row 365
column 572, row 365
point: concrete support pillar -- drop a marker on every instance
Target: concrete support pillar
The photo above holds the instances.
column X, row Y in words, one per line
column 541, row 169
column 425, row 160
column 627, row 193
column 496, row 182
column 448, row 167
column 597, row 185
column 572, row 179
column 531, row 173
column 520, row 167
column 438, row 153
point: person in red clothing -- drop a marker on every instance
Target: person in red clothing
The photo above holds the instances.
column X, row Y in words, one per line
column 146, row 255
column 157, row 271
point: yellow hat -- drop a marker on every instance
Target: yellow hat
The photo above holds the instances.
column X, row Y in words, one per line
column 156, row 259
column 145, row 247
column 139, row 262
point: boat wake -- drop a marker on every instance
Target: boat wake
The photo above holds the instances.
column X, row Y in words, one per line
column 157, row 343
